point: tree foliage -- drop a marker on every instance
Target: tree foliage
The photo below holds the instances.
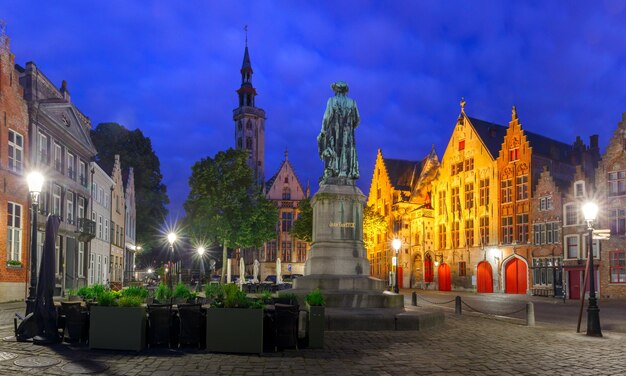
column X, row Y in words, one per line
column 373, row 224
column 226, row 206
column 135, row 151
column 303, row 226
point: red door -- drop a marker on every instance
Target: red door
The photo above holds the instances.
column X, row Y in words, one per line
column 484, row 280
column 444, row 277
column 516, row 277
column 574, row 284
column 400, row 277
column 428, row 269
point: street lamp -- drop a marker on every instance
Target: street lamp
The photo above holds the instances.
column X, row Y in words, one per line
column 35, row 183
column 171, row 238
column 201, row 251
column 396, row 244
column 590, row 212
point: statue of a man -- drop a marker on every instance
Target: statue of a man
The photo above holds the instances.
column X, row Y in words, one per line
column 335, row 142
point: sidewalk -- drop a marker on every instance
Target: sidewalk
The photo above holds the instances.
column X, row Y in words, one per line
column 467, row 345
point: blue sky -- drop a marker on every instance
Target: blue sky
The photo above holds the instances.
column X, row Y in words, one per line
column 172, row 69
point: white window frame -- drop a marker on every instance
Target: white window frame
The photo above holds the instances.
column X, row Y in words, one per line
column 56, row 200
column 71, row 166
column 595, row 247
column 14, row 231
column 81, row 259
column 43, row 149
column 100, row 227
column 575, row 209
column 106, row 229
column 69, row 212
column 58, row 157
column 16, row 152
column 566, row 245
column 579, row 189
column 91, row 270
column 81, row 207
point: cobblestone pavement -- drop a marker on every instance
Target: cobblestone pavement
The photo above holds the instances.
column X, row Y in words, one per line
column 468, row 345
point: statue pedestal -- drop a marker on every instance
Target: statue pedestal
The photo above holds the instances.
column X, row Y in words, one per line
column 337, row 262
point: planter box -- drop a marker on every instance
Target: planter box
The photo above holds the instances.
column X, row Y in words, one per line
column 317, row 323
column 234, row 330
column 117, row 328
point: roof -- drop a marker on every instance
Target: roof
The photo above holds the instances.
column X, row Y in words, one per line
column 493, row 134
column 402, row 173
column 246, row 60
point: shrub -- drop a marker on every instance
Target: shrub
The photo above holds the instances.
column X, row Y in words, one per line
column 266, row 297
column 107, row 299
column 214, row 294
column 162, row 292
column 135, row 291
column 315, row 298
column 235, row 298
column 91, row 292
column 182, row 291
column 130, row 301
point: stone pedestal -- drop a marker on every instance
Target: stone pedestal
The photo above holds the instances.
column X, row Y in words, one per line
column 337, row 262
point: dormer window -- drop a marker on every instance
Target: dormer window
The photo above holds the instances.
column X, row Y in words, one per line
column 461, row 145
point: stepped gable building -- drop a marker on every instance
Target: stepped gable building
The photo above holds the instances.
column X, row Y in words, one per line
column 285, row 190
column 250, row 122
column 118, row 215
column 100, row 253
column 61, row 151
column 14, row 202
column 400, row 191
column 130, row 225
column 610, row 194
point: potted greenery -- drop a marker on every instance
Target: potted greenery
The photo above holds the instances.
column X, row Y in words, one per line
column 234, row 321
column 162, row 293
column 286, row 298
column 118, row 321
column 182, row 293
column 14, row 264
column 315, row 303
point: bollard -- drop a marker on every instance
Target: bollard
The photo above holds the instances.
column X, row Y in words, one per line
column 457, row 306
column 414, row 299
column 530, row 314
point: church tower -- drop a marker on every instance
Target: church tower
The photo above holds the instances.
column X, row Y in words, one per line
column 250, row 122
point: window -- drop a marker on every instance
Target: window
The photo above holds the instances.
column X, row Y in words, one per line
column 506, row 187
column 469, row 164
column 513, row 155
column 545, row 203
column 286, row 252
column 99, row 273
column 617, row 221
column 579, row 189
column 553, row 233
column 469, row 232
column 16, row 151
column 442, row 203
column 469, row 195
column 71, row 166
column 484, row 230
column 69, row 212
column 81, row 207
column 456, row 203
column 301, row 252
column 43, row 149
column 106, row 230
column 507, row 230
column 595, row 246
column 107, row 199
column 82, row 173
column 14, row 231
column 81, row 259
column 58, row 157
column 91, row 270
column 571, row 214
column 286, row 193
column 249, row 143
column 462, row 269
column 484, row 192
column 617, row 266
column 94, row 191
column 286, row 222
column 101, row 196
column 462, row 145
column 442, row 236
column 522, row 228
column 270, row 251
column 56, row 200
column 455, row 234
column 617, row 183
column 522, row 187
column 571, row 246
column 100, row 227
column 536, row 234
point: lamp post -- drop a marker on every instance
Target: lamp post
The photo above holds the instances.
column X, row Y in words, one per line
column 396, row 244
column 171, row 238
column 35, row 183
column 201, row 251
column 590, row 211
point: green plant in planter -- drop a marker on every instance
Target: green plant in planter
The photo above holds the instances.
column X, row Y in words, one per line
column 130, row 301
column 135, row 291
column 182, row 291
column 235, row 298
column 14, row 263
column 214, row 294
column 107, row 299
column 266, row 297
column 162, row 292
column 287, row 298
column 315, row 298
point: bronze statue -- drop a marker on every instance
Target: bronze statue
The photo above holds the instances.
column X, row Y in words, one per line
column 335, row 142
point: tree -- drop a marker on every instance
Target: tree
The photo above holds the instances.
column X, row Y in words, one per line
column 373, row 224
column 135, row 151
column 226, row 206
column 303, row 226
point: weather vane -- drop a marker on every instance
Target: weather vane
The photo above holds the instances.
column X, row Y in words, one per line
column 245, row 28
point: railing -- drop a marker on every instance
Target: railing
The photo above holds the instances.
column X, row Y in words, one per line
column 86, row 229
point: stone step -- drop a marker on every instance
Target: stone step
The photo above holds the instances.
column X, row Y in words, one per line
column 379, row 319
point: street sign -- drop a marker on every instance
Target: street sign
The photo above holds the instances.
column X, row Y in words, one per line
column 393, row 261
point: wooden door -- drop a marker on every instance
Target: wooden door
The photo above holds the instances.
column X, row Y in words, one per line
column 484, row 278
column 400, row 275
column 516, row 276
column 443, row 275
column 428, row 269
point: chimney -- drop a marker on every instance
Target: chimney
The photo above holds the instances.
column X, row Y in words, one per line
column 64, row 92
column 593, row 142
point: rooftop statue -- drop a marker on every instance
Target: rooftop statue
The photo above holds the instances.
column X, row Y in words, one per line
column 335, row 142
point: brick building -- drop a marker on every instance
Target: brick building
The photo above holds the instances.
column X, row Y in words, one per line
column 14, row 202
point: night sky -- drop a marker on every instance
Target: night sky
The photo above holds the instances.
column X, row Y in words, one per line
column 171, row 68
